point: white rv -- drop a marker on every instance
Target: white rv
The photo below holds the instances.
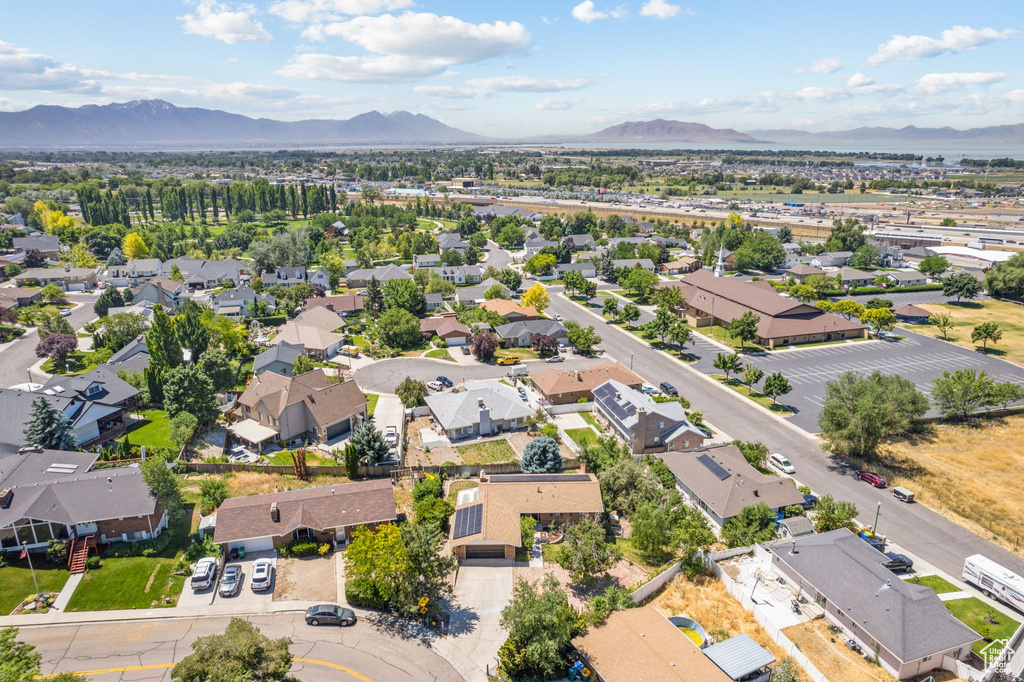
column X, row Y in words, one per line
column 994, row 581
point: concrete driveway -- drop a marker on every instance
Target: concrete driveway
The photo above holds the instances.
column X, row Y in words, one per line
column 390, row 412
column 245, row 595
column 475, row 633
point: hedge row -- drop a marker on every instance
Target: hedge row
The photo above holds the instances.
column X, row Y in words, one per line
column 272, row 321
column 364, row 594
column 858, row 291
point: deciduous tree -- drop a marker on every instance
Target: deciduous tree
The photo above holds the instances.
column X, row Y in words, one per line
column 242, row 652
column 536, row 297
column 832, row 514
column 744, row 328
column 859, row 412
column 412, row 392
column 754, row 524
column 943, row 322
column 776, row 385
column 961, row 285
column 986, row 332
column 584, row 552
column 540, row 625
column 960, row 394
column 728, row 363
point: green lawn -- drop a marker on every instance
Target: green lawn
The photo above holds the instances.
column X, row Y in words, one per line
column 17, row 582
column 625, row 545
column 633, row 296
column 656, row 343
column 721, row 334
column 590, row 419
column 371, row 403
column 521, row 353
column 361, row 342
column 79, row 362
column 284, row 458
column 457, row 487
column 490, row 452
column 154, row 430
column 938, row 584
column 759, row 398
column 416, row 350
column 440, row 354
column 583, row 437
column 972, row 612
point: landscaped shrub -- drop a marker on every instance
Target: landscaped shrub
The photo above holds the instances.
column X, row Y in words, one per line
column 427, row 487
column 304, row 548
column 136, row 548
column 364, row 594
column 92, row 563
column 272, row 321
column 324, row 549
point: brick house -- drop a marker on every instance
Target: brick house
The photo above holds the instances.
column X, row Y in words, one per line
column 644, row 425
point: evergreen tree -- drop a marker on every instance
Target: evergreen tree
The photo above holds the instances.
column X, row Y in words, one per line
column 369, row 444
column 374, row 298
column 110, row 298
column 48, row 427
column 161, row 341
column 541, row 456
column 116, row 257
column 190, row 330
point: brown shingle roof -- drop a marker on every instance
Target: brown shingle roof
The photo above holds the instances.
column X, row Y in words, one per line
column 319, row 317
column 444, row 326
column 340, row 304
column 804, row 269
column 553, row 381
column 320, row 508
column 641, row 644
column 505, row 307
column 907, row 310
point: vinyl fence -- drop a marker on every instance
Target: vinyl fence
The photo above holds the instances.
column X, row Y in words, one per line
column 569, row 408
column 657, row 582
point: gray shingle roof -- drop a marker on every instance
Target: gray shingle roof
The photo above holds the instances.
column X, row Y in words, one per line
column 282, row 352
column 459, row 410
column 114, row 390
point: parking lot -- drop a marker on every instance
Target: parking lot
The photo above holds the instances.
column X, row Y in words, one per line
column 245, row 595
column 915, row 357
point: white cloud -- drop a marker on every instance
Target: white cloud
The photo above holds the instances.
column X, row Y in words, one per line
column 933, row 83
column 1015, row 96
column 586, row 13
column 312, row 11
column 826, row 65
column 858, row 80
column 662, row 9
column 421, row 35
column 215, row 20
column 526, row 84
column 385, row 69
column 556, row 103
column 956, row 39
column 24, row 70
column 449, row 91
column 231, row 60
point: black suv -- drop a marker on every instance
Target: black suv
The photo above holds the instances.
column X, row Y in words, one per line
column 897, row 563
column 668, row 389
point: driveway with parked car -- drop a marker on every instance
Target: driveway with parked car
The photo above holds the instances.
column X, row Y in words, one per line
column 241, row 590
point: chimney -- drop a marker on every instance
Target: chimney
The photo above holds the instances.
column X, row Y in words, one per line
column 485, row 419
column 275, row 515
column 6, row 495
column 35, row 447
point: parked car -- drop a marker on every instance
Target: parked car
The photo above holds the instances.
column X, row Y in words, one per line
column 522, row 393
column 262, row 574
column 205, row 574
column 465, row 350
column 435, row 386
column 875, row 541
column 65, row 312
column 649, row 390
column 871, row 477
column 781, row 463
column 810, row 501
column 704, row 430
column 558, row 317
column 391, row 435
column 508, row 360
column 445, row 381
column 897, row 563
column 329, row 614
column 555, row 358
column 230, row 581
column 668, row 389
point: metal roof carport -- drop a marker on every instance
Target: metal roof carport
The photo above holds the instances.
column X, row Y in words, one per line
column 741, row 658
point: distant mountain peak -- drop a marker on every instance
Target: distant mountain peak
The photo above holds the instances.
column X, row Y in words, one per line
column 871, row 134
column 663, row 130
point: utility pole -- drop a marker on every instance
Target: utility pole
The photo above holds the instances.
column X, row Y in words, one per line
column 874, row 526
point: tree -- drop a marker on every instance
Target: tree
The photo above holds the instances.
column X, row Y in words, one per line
column 744, row 327
column 1007, row 392
column 541, row 456
column 161, row 341
column 1007, row 279
column 403, row 293
column 669, row 297
column 437, row 285
column 412, row 392
column 160, row 480
column 584, row 552
column 110, row 298
column 215, row 364
column 867, row 256
column 54, row 323
column 540, row 625
column 846, row 235
column 19, row 662
column 541, row 264
column 754, row 524
column 510, row 278
column 943, row 322
column 544, row 344
column 985, row 332
column 961, row 285
column 34, row 258
column 48, row 427
column 755, row 452
column 760, row 251
column 652, row 528
column 429, row 567
column 484, row 345
column 536, row 297
column 242, row 652
column 610, row 307
column 859, row 412
column 52, row 293
column 960, row 394
column 190, row 331
column 680, row 333
column 821, row 284
column 188, row 389
column 803, row 292
column 572, row 280
column 879, row 319
column 212, row 492
column 751, row 375
column 728, row 363
column 584, row 339
column 377, row 558
column 134, row 247
column 639, row 281
column 374, row 303
column 399, row 328
column 848, row 308
column 874, row 303
column 116, row 257
column 629, row 314
column 369, row 444
column 57, row 347
column 832, row 514
column 776, row 385
column 626, row 484
column 600, row 606
column 588, row 289
column 786, row 670
column 932, row 266
column 434, row 511
column 183, row 425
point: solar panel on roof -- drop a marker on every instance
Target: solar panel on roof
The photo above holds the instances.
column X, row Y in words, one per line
column 539, row 478
column 714, row 467
column 468, row 521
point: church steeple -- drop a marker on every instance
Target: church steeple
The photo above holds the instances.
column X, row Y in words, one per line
column 720, row 266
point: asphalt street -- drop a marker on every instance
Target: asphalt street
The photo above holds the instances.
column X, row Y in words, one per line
column 145, row 650
column 918, row 529
column 16, row 357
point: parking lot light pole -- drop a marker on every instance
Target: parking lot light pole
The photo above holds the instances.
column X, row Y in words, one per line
column 874, row 526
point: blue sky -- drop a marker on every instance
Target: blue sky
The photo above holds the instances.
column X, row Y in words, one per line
column 525, row 68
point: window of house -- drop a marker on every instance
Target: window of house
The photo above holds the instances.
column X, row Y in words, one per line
column 302, row 533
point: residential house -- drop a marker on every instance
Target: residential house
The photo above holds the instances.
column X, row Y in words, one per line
column 134, row 272
column 56, row 494
column 565, row 387
column 486, row 407
column 486, row 523
column 831, row 259
column 642, row 644
column 14, row 297
column 446, row 327
column 277, row 407
column 644, row 425
column 474, row 295
column 488, row 213
column 781, row 321
column 237, row 303
column 67, row 278
column 14, row 219
column 720, row 482
column 325, row 514
column 433, row 302
column 342, row 305
column 358, row 279
column 510, row 310
column 338, row 230
column 134, row 357
column 426, row 260
column 520, row 334
column 906, row 278
column 315, row 330
column 645, row 263
column 795, row 527
column 459, row 274
column 279, row 359
column 906, row 626
column 207, row 274
column 585, row 269
column 160, row 291
column 535, row 244
column 49, row 245
column 451, row 240
column 289, row 277
column 579, row 242
column 801, row 271
column 686, row 264
column 852, row 277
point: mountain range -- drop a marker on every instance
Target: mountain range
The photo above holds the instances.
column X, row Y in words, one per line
column 159, row 124
column 156, row 124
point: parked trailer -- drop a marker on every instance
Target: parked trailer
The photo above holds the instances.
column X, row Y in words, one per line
column 994, row 581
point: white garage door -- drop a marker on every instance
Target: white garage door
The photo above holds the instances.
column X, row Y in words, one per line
column 254, row 545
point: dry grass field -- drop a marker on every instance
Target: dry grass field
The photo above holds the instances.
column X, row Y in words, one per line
column 968, row 314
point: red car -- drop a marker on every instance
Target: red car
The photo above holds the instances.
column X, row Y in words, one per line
column 871, row 477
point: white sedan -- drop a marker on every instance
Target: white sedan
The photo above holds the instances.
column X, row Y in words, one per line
column 391, row 436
